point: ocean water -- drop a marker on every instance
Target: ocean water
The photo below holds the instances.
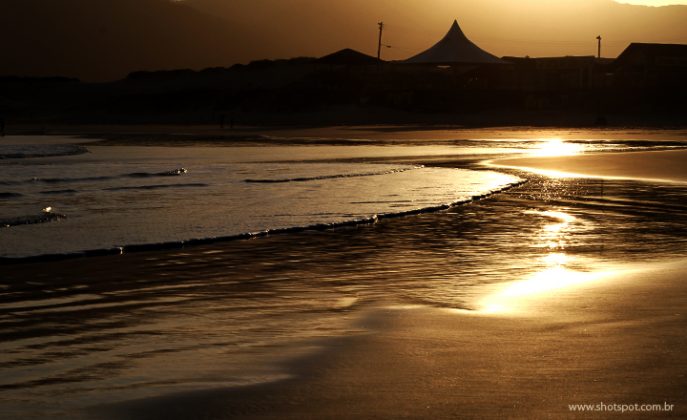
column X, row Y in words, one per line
column 80, row 333
column 58, row 197
column 62, row 199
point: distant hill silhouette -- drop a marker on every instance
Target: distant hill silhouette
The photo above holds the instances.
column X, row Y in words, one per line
column 106, row 39
column 348, row 56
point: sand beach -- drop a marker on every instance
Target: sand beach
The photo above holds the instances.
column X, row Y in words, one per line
column 615, row 343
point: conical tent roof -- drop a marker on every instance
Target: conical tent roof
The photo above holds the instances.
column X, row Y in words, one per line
column 455, row 47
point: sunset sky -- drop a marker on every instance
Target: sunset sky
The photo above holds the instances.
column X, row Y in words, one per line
column 504, row 27
column 654, row 2
column 106, row 39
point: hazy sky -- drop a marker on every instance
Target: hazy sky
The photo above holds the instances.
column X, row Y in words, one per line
column 106, row 39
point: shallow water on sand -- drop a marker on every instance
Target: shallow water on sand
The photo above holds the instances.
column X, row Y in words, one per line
column 117, row 198
column 79, row 333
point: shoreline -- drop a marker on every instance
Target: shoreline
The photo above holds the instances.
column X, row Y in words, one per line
column 192, row 243
column 353, row 134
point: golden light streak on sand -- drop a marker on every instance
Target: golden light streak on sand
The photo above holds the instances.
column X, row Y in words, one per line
column 555, row 278
column 655, row 166
column 515, row 297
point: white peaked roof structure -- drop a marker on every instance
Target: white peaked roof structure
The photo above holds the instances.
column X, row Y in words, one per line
column 455, row 48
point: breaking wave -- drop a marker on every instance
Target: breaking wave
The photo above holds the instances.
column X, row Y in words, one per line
column 157, row 187
column 174, row 172
column 323, row 177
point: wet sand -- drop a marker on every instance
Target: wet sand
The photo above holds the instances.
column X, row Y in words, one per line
column 617, row 341
column 668, row 166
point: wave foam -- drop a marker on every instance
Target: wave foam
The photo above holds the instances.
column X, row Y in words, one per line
column 174, row 172
column 15, row 151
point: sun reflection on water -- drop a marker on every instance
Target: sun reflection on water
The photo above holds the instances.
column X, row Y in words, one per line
column 556, row 147
column 553, row 236
column 542, row 284
column 556, row 274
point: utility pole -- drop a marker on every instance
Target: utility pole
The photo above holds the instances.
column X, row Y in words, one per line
column 599, row 39
column 379, row 44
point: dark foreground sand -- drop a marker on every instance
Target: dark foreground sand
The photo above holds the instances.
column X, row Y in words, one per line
column 659, row 165
column 619, row 340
